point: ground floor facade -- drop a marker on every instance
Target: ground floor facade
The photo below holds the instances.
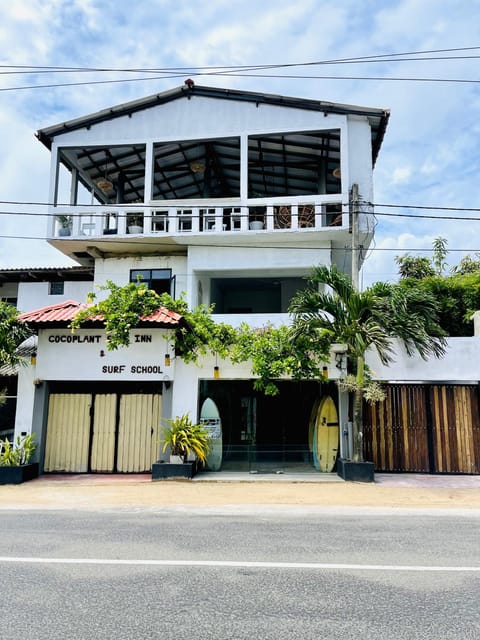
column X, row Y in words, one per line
column 95, row 411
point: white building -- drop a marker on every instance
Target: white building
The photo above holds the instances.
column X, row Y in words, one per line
column 228, row 196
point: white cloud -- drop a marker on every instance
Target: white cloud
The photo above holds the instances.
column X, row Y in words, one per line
column 401, row 175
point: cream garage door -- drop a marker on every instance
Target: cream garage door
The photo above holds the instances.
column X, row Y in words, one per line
column 138, row 432
column 81, row 439
column 103, row 439
column 68, row 432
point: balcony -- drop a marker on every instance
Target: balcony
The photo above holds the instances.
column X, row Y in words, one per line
column 101, row 222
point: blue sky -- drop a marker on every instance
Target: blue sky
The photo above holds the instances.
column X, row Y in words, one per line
column 429, row 155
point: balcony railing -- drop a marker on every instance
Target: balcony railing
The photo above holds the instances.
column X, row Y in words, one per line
column 312, row 214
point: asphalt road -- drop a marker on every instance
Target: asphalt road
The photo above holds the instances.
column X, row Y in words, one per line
column 279, row 573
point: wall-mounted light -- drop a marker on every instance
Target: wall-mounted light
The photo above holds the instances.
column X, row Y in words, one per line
column 216, row 372
column 167, row 360
column 325, row 372
column 33, row 358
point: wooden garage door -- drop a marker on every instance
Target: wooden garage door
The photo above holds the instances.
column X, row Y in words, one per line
column 456, row 428
column 424, row 428
column 68, row 432
column 395, row 431
column 138, row 432
column 103, row 437
column 102, row 433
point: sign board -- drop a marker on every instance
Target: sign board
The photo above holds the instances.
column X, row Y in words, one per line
column 83, row 355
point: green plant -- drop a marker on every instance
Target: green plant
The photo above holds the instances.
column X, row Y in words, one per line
column 65, row 221
column 12, row 333
column 183, row 436
column 274, row 352
column 416, row 267
column 135, row 220
column 17, row 453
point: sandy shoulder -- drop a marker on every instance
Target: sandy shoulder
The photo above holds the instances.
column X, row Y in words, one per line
column 168, row 493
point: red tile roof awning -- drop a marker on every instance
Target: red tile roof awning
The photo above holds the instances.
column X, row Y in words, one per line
column 63, row 313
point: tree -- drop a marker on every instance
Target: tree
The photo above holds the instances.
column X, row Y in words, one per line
column 416, row 267
column 12, row 334
column 439, row 254
column 467, row 265
column 361, row 320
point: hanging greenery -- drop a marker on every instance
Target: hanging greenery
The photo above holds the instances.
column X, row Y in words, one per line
column 273, row 352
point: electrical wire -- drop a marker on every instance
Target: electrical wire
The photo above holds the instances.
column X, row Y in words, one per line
column 243, row 75
column 240, row 70
column 382, row 214
column 384, row 57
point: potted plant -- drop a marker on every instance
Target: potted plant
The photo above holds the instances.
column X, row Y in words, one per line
column 65, row 223
column 15, row 465
column 184, row 439
column 256, row 218
column 135, row 223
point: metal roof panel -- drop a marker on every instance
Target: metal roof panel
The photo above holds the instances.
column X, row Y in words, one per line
column 64, row 312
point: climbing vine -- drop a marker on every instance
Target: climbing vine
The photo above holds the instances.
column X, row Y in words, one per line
column 274, row 352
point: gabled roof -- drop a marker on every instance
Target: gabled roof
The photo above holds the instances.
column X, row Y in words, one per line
column 61, row 314
column 378, row 118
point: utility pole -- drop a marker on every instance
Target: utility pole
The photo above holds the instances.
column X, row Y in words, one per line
column 355, row 251
column 357, row 421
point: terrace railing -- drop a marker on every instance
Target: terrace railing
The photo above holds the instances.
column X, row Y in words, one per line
column 312, row 214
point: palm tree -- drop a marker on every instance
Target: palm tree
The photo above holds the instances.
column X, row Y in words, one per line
column 361, row 320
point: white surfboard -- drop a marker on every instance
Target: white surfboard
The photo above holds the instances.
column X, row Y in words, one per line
column 210, row 419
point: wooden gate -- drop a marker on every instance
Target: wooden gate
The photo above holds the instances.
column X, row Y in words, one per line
column 424, row 428
column 68, row 432
column 102, row 456
column 138, row 432
column 102, row 432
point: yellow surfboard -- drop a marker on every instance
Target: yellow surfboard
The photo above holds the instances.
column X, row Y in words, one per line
column 325, row 439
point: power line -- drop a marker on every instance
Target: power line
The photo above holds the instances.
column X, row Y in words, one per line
column 385, row 57
column 245, row 75
column 99, row 215
column 159, row 204
column 240, row 70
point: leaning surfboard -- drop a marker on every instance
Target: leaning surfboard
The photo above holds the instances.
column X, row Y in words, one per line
column 210, row 419
column 325, row 439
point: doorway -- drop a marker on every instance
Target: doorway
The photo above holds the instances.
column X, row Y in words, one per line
column 266, row 434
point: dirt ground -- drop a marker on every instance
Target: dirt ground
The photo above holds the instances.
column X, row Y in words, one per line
column 139, row 491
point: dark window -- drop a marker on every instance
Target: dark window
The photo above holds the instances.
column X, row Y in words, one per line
column 160, row 280
column 56, row 288
column 253, row 295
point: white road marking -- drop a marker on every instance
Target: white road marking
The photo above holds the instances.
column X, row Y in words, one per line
column 238, row 564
